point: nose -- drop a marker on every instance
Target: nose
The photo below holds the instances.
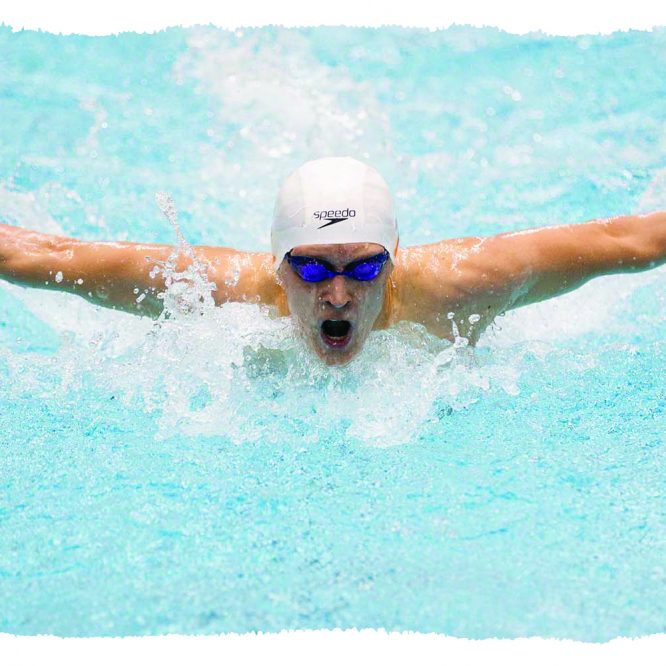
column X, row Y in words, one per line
column 336, row 293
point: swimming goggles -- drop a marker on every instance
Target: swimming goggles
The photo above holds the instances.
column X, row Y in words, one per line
column 311, row 269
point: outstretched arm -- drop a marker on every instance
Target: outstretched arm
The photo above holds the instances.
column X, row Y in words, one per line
column 121, row 275
column 483, row 277
column 537, row 264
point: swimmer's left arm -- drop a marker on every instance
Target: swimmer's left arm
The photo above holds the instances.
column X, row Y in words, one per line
column 515, row 269
column 560, row 259
column 474, row 279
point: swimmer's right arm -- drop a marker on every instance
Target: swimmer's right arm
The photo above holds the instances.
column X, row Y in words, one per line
column 121, row 275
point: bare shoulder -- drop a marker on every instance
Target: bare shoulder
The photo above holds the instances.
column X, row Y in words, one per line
column 462, row 276
column 242, row 276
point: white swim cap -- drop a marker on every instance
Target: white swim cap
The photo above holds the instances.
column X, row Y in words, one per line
column 333, row 200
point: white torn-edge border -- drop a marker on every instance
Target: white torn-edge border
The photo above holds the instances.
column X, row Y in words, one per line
column 564, row 17
column 324, row 648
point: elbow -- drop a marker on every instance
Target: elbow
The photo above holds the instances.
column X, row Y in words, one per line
column 622, row 251
column 640, row 242
column 640, row 256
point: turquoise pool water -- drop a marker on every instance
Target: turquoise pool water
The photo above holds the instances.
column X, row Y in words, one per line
column 204, row 474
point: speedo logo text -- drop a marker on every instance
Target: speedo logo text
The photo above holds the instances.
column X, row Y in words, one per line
column 333, row 216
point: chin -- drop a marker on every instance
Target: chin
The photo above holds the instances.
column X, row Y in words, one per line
column 337, row 357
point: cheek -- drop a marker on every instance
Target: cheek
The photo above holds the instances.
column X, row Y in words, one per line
column 376, row 295
column 302, row 299
column 370, row 306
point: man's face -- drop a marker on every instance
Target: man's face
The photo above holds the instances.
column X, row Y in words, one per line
column 316, row 306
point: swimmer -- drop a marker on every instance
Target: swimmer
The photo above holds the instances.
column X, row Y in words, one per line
column 336, row 266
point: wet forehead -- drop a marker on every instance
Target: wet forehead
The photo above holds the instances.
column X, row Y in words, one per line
column 343, row 252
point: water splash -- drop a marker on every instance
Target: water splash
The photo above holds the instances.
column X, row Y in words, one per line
column 188, row 291
column 240, row 371
column 168, row 207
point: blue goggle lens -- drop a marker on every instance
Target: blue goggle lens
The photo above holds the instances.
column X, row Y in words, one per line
column 312, row 272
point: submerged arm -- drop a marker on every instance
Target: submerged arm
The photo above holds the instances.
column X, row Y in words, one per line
column 121, row 275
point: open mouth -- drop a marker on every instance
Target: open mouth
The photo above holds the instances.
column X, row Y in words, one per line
column 336, row 333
